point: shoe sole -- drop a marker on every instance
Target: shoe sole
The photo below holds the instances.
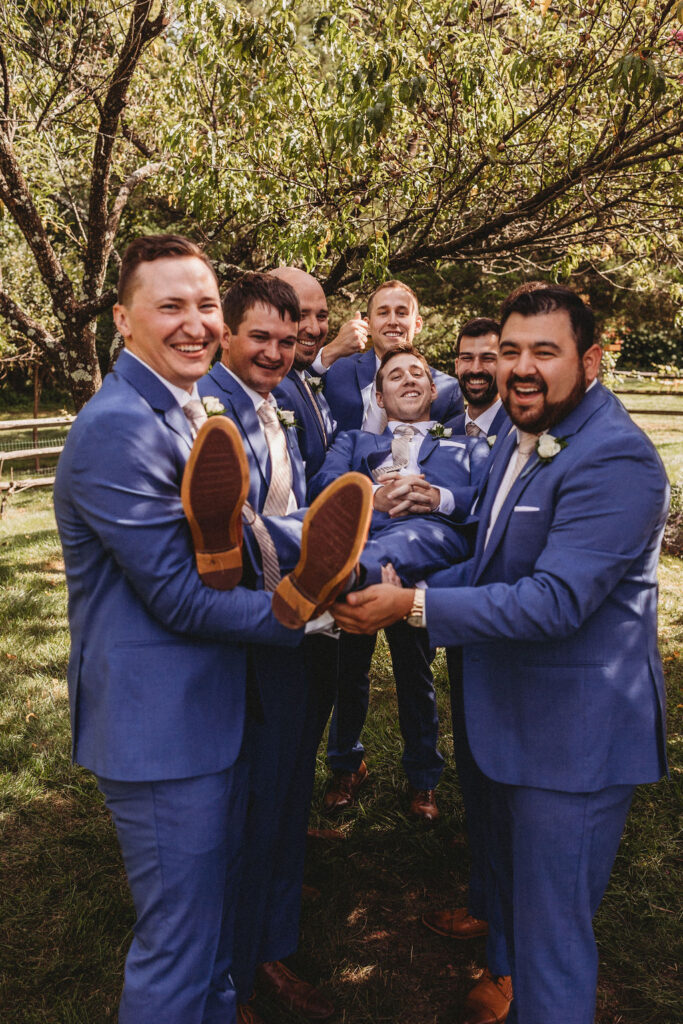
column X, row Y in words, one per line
column 449, row 935
column 334, row 533
column 214, row 488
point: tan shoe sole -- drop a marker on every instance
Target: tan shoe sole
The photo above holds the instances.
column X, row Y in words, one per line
column 214, row 488
column 334, row 533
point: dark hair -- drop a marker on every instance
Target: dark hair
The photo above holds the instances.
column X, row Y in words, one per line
column 476, row 329
column 547, row 300
column 402, row 350
column 521, row 289
column 252, row 289
column 393, row 284
column 148, row 248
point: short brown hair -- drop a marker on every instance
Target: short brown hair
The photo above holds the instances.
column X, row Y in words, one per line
column 148, row 248
column 252, row 289
column 538, row 301
column 402, row 350
column 394, row 284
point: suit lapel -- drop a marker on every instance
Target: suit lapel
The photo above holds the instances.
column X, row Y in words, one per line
column 576, row 419
column 246, row 418
column 156, row 393
column 310, row 400
column 296, row 461
column 379, row 448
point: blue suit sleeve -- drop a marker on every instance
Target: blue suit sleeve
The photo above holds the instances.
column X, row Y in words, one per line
column 338, row 460
column 607, row 518
column 124, row 485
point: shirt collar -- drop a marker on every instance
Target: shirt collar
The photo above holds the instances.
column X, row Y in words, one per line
column 485, row 418
column 181, row 396
column 420, row 428
column 257, row 399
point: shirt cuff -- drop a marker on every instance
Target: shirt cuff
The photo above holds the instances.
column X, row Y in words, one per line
column 447, row 503
column 317, row 366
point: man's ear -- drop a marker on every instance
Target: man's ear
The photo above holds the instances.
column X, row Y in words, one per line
column 418, row 323
column 225, row 343
column 380, row 399
column 591, row 362
column 120, row 315
column 433, row 392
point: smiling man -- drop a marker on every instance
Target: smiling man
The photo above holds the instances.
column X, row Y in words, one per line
column 563, row 686
column 429, row 479
column 157, row 672
column 476, row 359
column 262, row 316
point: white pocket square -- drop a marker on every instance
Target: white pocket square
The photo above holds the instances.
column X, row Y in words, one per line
column 526, row 508
column 452, row 444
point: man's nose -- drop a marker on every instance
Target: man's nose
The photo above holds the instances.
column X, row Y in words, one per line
column 311, row 326
column 271, row 350
column 192, row 323
column 525, row 364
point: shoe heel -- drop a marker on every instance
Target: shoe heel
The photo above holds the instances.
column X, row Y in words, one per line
column 290, row 607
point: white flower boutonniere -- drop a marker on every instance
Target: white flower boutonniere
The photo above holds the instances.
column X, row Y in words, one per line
column 491, row 439
column 315, row 384
column 438, row 430
column 212, row 406
column 547, row 447
column 286, row 418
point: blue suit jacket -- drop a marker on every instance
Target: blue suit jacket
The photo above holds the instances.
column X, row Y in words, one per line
column 456, row 463
column 314, row 439
column 563, row 683
column 157, row 666
column 347, row 377
column 240, row 408
column 500, row 424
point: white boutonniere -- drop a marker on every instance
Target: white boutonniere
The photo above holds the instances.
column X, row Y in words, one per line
column 286, row 418
column 315, row 384
column 212, row 406
column 438, row 430
column 547, row 447
column 491, row 439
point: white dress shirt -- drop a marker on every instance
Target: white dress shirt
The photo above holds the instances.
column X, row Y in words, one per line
column 181, row 396
column 485, row 418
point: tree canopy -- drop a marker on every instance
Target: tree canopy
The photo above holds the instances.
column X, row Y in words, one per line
column 357, row 139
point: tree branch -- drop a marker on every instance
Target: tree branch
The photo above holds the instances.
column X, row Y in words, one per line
column 20, row 321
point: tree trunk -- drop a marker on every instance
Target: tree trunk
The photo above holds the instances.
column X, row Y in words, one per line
column 83, row 368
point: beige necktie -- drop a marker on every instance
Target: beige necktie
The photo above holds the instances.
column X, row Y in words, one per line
column 196, row 414
column 472, row 430
column 400, row 445
column 269, row 558
column 525, row 447
column 280, row 487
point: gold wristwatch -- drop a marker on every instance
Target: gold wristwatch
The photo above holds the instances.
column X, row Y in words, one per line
column 415, row 616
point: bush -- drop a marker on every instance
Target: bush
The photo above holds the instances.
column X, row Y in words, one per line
column 645, row 348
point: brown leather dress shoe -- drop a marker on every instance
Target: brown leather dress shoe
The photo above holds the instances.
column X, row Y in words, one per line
column 423, row 805
column 455, row 924
column 294, row 993
column 333, row 535
column 342, row 791
column 489, row 1001
column 245, row 1015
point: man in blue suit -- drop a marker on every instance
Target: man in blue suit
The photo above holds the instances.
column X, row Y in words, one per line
column 442, row 475
column 563, row 686
column 393, row 320
column 158, row 661
column 476, row 358
column 262, row 324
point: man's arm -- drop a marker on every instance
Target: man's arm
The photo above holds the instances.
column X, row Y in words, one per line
column 351, row 339
column 607, row 515
column 124, row 485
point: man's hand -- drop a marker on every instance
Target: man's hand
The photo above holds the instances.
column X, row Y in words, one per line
column 352, row 338
column 366, row 611
column 406, row 495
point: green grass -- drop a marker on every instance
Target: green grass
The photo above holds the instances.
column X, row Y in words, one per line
column 65, row 913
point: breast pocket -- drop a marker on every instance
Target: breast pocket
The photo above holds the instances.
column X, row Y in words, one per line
column 525, row 538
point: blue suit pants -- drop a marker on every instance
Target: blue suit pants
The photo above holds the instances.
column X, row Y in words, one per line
column 553, row 854
column 418, row 718
column 181, row 842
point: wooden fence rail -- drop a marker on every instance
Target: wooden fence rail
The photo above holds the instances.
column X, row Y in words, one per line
column 12, row 451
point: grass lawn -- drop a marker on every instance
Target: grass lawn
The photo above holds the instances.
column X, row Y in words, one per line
column 65, row 914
